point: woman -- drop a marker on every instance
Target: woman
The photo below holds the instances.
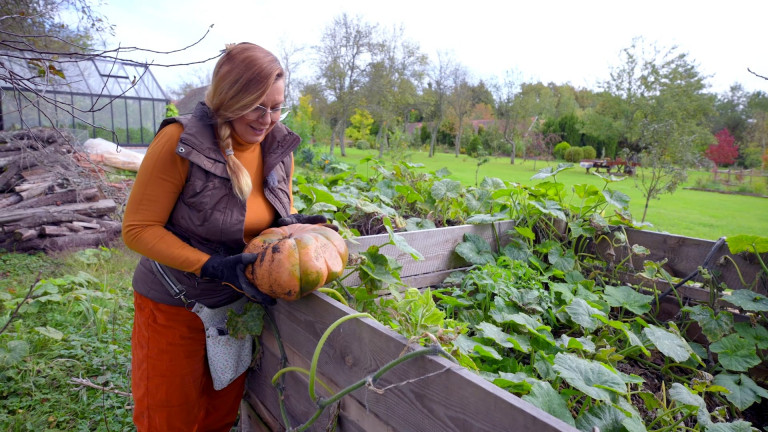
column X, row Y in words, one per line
column 208, row 184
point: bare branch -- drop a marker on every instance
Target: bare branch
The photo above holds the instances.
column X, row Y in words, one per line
column 757, row 75
column 87, row 383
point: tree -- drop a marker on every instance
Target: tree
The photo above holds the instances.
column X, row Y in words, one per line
column 344, row 53
column 393, row 79
column 724, row 152
column 460, row 100
column 39, row 25
column 360, row 125
column 301, row 121
column 664, row 115
column 291, row 61
column 435, row 96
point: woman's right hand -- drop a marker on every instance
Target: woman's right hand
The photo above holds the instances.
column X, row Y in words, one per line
column 231, row 271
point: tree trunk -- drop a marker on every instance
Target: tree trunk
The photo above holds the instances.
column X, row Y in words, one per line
column 457, row 149
column 342, row 138
column 382, row 141
column 333, row 139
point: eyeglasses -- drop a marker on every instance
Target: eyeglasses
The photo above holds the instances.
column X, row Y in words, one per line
column 259, row 112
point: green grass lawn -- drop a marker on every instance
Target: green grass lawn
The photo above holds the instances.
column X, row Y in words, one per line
column 690, row 213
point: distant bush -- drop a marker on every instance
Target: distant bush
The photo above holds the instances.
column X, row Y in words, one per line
column 363, row 145
column 559, row 151
column 574, row 154
column 589, row 152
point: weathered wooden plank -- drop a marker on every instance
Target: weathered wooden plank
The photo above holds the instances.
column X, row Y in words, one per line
column 428, row 393
column 436, row 245
column 684, row 255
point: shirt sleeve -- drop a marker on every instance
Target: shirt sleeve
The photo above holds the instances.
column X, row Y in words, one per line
column 158, row 184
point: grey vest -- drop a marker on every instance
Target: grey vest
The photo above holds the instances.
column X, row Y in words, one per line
column 208, row 215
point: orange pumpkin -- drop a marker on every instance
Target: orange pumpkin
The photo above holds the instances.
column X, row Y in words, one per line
column 295, row 260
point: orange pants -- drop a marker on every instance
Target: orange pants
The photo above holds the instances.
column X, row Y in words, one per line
column 171, row 382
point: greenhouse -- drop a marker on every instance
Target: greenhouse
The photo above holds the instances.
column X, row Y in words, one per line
column 91, row 96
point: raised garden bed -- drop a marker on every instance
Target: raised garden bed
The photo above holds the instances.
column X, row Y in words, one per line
column 430, row 392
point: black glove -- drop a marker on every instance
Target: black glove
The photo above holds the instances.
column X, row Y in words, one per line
column 231, row 271
column 306, row 219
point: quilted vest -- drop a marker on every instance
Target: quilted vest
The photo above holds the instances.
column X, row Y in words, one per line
column 208, row 215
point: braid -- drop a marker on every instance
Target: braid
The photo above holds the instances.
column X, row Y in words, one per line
column 241, row 180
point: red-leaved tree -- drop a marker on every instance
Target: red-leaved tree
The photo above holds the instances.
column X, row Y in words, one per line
column 724, row 152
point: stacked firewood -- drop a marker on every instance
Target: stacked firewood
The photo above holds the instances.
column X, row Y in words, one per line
column 52, row 198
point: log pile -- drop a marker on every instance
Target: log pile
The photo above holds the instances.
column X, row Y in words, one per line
column 51, row 197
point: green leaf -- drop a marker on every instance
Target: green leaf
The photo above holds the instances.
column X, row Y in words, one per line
column 525, row 232
column 748, row 300
column 562, row 260
column 743, row 392
column 50, row 332
column 616, row 198
column 446, row 189
column 517, row 250
column 490, row 331
column 757, row 335
column 478, row 219
column 582, row 314
column 475, row 250
column 548, row 399
column 14, row 352
column 379, row 267
column 416, row 224
column 735, row 353
column 402, row 244
column 512, row 382
column 591, row 377
column 633, row 338
column 670, row 344
column 319, row 193
column 605, row 418
column 713, row 326
column 748, row 243
column 550, row 171
column 249, row 322
column 628, row 298
column 684, row 396
column 735, row 426
column 550, row 207
column 452, row 301
column 467, row 345
column 409, row 193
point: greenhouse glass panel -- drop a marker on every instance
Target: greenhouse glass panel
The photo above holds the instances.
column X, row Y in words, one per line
column 11, row 117
column 104, row 125
column 120, row 121
column 148, row 125
column 64, row 118
column 134, row 121
column 85, row 118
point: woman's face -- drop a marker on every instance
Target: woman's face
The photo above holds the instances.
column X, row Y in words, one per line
column 252, row 127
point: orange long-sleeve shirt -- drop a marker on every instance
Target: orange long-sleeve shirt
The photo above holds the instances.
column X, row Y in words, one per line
column 158, row 185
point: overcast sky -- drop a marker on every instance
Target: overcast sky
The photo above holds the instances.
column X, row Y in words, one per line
column 574, row 42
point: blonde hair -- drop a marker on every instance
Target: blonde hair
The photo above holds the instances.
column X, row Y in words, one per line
column 241, row 79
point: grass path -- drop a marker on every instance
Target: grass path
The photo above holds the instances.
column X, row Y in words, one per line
column 691, row 213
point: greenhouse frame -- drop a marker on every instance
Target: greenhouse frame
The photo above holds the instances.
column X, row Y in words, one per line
column 94, row 97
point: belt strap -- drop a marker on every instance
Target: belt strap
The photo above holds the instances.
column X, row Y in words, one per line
column 177, row 290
